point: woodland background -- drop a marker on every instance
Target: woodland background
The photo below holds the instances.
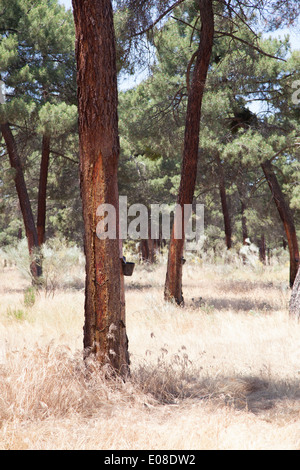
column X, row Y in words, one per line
column 248, row 116
column 221, row 372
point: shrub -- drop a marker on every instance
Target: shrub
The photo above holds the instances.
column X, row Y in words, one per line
column 62, row 263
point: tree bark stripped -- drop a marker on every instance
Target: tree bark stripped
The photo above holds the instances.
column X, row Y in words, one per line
column 25, row 205
column 286, row 217
column 173, row 284
column 104, row 329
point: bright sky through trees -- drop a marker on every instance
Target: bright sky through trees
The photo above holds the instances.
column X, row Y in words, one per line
column 133, row 81
column 294, row 35
column 67, row 3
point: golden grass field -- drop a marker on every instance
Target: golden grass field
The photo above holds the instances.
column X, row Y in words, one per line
column 221, row 373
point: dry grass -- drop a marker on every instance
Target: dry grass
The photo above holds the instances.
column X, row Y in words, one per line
column 220, row 373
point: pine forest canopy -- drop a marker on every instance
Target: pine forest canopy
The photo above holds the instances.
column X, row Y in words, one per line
column 154, row 130
column 37, row 65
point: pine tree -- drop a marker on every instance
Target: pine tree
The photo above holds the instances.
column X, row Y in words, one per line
column 173, row 284
column 104, row 330
column 227, row 122
column 38, row 68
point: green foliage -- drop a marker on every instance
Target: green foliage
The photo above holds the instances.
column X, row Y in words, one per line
column 153, row 118
column 37, row 64
column 16, row 314
column 29, row 297
column 57, row 119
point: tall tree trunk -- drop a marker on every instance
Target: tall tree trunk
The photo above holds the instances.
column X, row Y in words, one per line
column 244, row 223
column 25, row 205
column 295, row 298
column 104, row 329
column 42, row 196
column 173, row 284
column 286, row 217
column 147, row 248
column 262, row 249
column 223, row 196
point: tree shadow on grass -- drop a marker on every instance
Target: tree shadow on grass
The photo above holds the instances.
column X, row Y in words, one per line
column 139, row 286
column 242, row 287
column 248, row 393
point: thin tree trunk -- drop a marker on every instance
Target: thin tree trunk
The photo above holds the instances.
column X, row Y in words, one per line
column 286, row 217
column 173, row 284
column 223, row 196
column 25, row 205
column 144, row 250
column 244, row 224
column 295, row 298
column 147, row 248
column 262, row 249
column 42, row 196
column 104, row 329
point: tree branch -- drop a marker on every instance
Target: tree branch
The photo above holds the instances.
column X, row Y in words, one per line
column 231, row 35
column 258, row 49
column 59, row 154
column 154, row 23
column 296, row 144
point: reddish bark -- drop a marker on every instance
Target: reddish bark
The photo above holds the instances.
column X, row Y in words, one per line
column 148, row 249
column 104, row 329
column 173, row 284
column 286, row 217
column 41, row 216
column 25, row 205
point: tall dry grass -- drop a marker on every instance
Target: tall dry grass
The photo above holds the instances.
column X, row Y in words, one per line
column 220, row 373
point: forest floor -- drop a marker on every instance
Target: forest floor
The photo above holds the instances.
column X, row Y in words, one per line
column 221, row 373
